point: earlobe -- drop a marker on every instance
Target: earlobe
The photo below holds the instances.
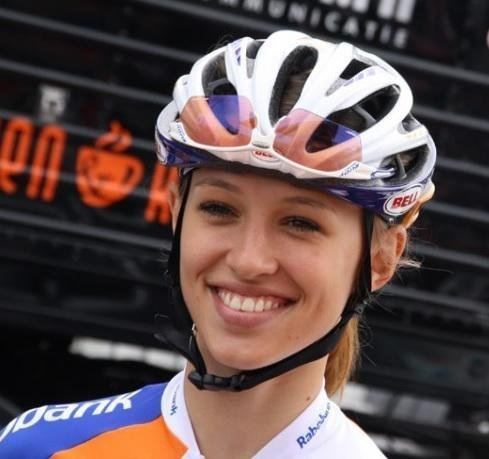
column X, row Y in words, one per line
column 173, row 203
column 387, row 247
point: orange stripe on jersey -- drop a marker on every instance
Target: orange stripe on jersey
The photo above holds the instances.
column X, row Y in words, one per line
column 152, row 440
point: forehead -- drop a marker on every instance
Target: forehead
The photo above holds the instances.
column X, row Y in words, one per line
column 239, row 179
column 258, row 185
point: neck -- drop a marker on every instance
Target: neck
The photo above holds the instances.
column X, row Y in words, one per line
column 239, row 424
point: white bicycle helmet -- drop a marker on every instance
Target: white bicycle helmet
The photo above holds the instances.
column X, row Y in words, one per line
column 350, row 131
column 345, row 129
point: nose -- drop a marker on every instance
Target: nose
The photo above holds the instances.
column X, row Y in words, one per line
column 251, row 253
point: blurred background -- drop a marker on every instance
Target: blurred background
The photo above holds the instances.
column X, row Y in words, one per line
column 84, row 219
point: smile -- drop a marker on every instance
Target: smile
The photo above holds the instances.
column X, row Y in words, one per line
column 248, row 303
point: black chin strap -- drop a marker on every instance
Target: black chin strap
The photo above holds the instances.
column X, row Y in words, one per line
column 178, row 331
column 248, row 379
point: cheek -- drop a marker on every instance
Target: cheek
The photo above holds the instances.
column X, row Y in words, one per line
column 193, row 258
column 200, row 252
column 200, row 248
column 328, row 274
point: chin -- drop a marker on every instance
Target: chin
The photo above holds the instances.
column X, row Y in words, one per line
column 228, row 360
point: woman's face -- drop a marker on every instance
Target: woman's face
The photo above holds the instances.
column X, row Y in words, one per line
column 266, row 267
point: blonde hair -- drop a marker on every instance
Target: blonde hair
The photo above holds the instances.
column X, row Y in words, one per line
column 343, row 359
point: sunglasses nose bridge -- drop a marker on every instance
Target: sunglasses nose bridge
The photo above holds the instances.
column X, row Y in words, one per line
column 260, row 140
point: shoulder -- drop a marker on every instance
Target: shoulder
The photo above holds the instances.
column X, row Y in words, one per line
column 41, row 432
column 363, row 443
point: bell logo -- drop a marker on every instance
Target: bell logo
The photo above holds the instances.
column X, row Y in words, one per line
column 403, row 201
column 105, row 175
column 264, row 156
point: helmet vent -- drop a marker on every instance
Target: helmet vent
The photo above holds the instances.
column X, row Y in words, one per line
column 214, row 79
column 252, row 49
column 381, row 102
column 403, row 163
column 355, row 118
column 251, row 52
column 353, row 68
column 409, row 158
column 290, row 81
column 368, row 111
column 410, row 123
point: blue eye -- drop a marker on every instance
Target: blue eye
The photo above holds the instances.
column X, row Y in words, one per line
column 216, row 209
column 302, row 224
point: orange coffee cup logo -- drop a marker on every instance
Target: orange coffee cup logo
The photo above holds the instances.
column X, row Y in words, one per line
column 105, row 175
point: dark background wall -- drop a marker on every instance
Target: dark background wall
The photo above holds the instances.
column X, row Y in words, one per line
column 83, row 214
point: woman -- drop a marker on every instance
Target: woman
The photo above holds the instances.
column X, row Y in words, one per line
column 302, row 169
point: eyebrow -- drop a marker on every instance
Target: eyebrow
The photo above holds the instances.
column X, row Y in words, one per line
column 219, row 183
column 316, row 203
column 304, row 200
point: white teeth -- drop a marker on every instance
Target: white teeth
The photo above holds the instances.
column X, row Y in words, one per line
column 235, row 303
column 246, row 304
column 259, row 305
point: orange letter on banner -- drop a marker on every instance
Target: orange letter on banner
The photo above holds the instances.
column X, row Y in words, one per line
column 13, row 153
column 158, row 208
column 47, row 163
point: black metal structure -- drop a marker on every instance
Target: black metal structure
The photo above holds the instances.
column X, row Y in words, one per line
column 80, row 243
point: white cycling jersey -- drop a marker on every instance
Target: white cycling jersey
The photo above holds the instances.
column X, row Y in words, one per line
column 321, row 431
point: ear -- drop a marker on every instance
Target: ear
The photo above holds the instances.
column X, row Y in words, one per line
column 174, row 202
column 387, row 246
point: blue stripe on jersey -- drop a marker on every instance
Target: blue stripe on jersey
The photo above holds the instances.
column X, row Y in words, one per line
column 41, row 432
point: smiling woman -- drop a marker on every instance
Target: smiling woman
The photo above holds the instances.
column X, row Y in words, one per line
column 299, row 231
column 301, row 171
column 270, row 270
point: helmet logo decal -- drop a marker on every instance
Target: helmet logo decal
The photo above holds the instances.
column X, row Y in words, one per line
column 368, row 72
column 181, row 132
column 401, row 202
column 352, row 167
column 236, row 45
column 264, row 156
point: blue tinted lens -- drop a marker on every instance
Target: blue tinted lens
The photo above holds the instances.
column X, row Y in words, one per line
column 343, row 134
column 226, row 109
column 328, row 134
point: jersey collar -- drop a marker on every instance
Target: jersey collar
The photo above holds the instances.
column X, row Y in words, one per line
column 303, row 437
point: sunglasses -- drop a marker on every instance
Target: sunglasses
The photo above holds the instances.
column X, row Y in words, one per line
column 302, row 143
